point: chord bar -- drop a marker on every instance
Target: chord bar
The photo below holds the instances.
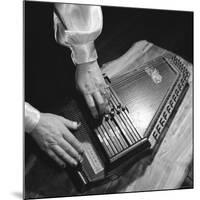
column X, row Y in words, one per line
column 116, row 99
column 104, row 144
column 118, row 134
column 124, row 122
column 108, row 139
column 120, row 126
column 112, row 136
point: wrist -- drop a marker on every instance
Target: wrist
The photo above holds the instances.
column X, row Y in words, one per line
column 88, row 66
column 83, row 53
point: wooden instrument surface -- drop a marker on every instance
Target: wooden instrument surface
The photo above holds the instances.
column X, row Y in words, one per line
column 169, row 166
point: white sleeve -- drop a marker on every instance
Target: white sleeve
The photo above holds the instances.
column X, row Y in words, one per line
column 32, row 117
column 77, row 26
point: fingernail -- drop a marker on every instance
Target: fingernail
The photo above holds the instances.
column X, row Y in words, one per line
column 80, row 158
column 75, row 163
column 81, row 152
column 78, row 124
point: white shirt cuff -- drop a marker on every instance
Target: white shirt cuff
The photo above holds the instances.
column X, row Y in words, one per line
column 32, row 117
column 77, row 26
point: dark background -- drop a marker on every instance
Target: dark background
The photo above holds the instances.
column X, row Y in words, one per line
column 49, row 71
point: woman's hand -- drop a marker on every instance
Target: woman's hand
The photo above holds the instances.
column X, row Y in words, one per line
column 53, row 137
column 91, row 84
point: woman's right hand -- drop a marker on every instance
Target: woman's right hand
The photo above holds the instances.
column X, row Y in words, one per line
column 91, row 84
column 52, row 134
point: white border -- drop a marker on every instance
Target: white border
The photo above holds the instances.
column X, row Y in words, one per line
column 12, row 93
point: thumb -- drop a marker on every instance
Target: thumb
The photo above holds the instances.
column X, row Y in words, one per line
column 71, row 124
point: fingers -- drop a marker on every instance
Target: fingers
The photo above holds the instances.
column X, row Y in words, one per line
column 56, row 158
column 73, row 142
column 64, row 156
column 97, row 104
column 68, row 148
column 91, row 104
column 65, row 152
column 71, row 124
column 101, row 97
column 100, row 102
column 70, row 144
column 105, row 92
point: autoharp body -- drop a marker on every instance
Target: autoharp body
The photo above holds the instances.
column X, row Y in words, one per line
column 142, row 104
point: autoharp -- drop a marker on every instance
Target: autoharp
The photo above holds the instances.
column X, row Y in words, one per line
column 142, row 104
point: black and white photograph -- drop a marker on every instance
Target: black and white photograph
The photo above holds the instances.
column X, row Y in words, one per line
column 108, row 99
